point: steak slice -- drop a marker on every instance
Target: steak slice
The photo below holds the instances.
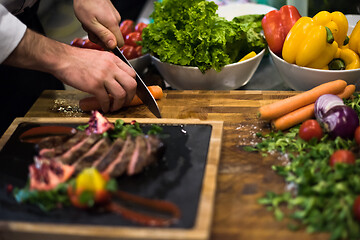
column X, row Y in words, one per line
column 139, row 158
column 60, row 149
column 156, row 148
column 103, row 162
column 97, row 150
column 52, row 142
column 120, row 164
column 78, row 150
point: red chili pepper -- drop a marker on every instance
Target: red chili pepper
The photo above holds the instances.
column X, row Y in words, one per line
column 277, row 24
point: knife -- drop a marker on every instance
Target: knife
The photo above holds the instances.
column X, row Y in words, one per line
column 142, row 91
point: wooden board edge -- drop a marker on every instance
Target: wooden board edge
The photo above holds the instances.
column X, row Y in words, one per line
column 202, row 227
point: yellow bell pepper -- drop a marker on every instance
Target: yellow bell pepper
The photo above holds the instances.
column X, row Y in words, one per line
column 309, row 44
column 354, row 40
column 336, row 22
column 345, row 59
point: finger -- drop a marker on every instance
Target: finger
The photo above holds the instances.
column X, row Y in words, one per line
column 124, row 67
column 108, row 30
column 118, row 93
column 104, row 99
column 93, row 38
column 128, row 83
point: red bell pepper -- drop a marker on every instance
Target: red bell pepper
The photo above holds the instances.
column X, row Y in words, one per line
column 277, row 24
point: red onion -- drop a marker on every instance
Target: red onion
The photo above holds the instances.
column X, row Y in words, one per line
column 341, row 121
column 324, row 103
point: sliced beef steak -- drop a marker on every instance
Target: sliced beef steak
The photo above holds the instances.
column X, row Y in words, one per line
column 78, row 150
column 95, row 152
column 156, row 148
column 62, row 148
column 52, row 142
column 120, row 164
column 102, row 163
column 140, row 156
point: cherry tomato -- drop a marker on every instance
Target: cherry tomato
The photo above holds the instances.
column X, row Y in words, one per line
column 90, row 45
column 127, row 26
column 128, row 51
column 310, row 129
column 138, row 50
column 342, row 156
column 132, row 38
column 77, row 42
column 356, row 208
column 357, row 135
column 140, row 26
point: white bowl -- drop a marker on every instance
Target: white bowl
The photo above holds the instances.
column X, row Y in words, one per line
column 232, row 10
column 303, row 78
column 232, row 76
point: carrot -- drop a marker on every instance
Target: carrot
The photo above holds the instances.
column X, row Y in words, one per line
column 91, row 103
column 304, row 113
column 284, row 106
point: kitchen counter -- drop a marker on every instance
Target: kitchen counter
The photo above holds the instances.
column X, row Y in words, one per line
column 243, row 177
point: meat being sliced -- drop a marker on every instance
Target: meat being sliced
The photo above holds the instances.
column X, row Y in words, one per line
column 103, row 162
column 96, row 151
column 120, row 164
column 78, row 150
column 139, row 158
column 60, row 149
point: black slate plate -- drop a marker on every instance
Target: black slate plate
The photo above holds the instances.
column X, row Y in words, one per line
column 177, row 178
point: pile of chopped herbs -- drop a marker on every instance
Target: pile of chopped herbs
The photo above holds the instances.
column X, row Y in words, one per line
column 324, row 196
column 190, row 33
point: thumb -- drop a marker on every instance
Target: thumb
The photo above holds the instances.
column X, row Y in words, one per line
column 110, row 37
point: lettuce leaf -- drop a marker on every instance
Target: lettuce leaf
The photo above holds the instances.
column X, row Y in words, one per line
column 190, row 33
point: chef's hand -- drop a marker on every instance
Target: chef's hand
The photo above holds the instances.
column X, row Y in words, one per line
column 97, row 72
column 100, row 20
column 100, row 73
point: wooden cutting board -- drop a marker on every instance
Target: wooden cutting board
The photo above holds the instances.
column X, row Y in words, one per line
column 200, row 230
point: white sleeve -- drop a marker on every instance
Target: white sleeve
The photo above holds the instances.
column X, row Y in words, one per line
column 12, row 31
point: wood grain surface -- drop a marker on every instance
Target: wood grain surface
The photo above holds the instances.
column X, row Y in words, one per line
column 243, row 177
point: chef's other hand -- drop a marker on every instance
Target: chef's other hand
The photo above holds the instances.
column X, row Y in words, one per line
column 100, row 20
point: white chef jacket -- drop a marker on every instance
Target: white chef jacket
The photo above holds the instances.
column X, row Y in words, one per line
column 12, row 30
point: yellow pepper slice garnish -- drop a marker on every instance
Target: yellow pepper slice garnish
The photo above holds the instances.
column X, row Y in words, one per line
column 248, row 56
column 90, row 180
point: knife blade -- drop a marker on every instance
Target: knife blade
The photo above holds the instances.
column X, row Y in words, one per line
column 142, row 91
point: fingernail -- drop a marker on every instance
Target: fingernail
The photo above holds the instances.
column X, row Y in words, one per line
column 110, row 43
